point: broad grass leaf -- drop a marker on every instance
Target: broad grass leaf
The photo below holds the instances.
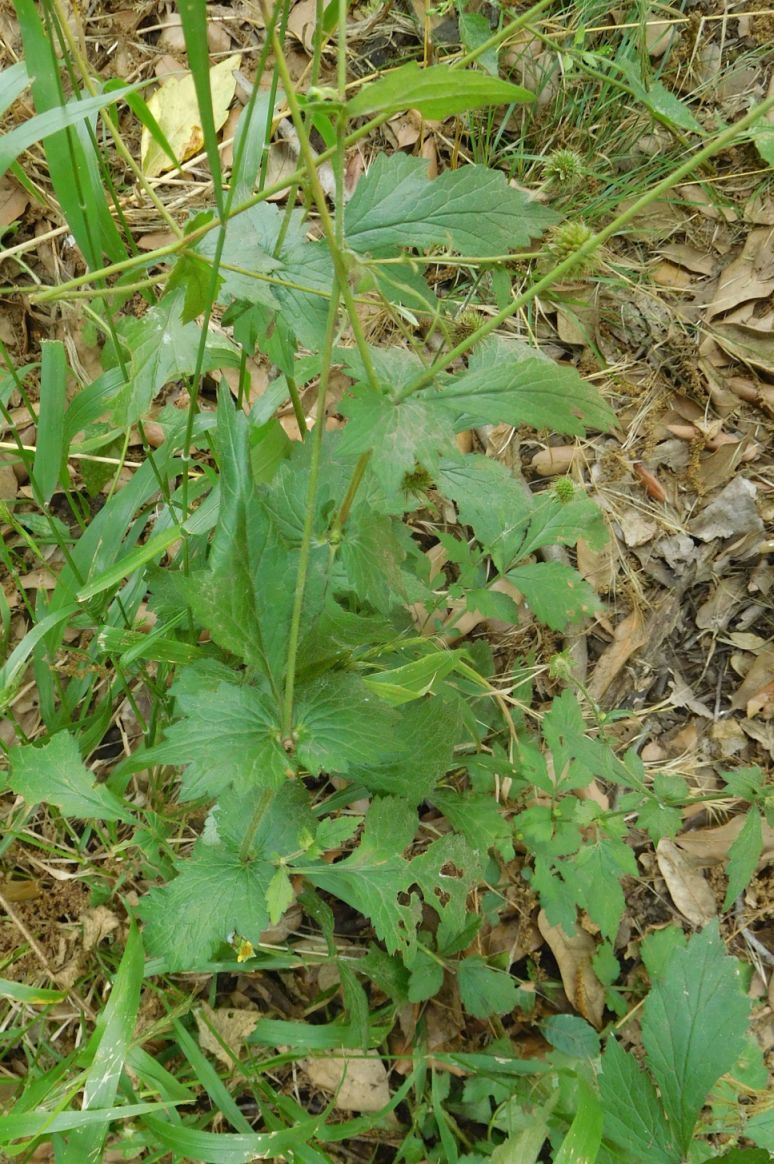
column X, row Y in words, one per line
column 13, row 81
column 71, row 151
column 54, row 773
column 584, row 1137
column 633, row 1116
column 110, row 1047
column 531, row 390
column 694, row 1027
column 437, row 91
column 50, row 445
column 230, row 1147
column 471, row 210
column 415, row 679
column 556, row 594
column 217, row 892
column 485, row 991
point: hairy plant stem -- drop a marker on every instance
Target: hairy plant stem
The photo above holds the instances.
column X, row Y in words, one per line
column 335, row 236
column 307, row 535
column 333, row 231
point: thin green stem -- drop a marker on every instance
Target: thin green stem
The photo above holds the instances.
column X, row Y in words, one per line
column 305, row 552
column 330, row 229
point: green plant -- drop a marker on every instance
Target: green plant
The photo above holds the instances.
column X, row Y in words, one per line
column 310, row 712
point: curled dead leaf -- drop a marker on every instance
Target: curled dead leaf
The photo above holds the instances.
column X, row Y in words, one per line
column 573, row 955
column 686, row 884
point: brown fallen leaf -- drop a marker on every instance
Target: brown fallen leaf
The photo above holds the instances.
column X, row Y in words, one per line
column 628, row 637
column 13, row 201
column 687, row 886
column 756, row 682
column 710, row 846
column 357, row 1080
column 226, row 1025
column 573, row 955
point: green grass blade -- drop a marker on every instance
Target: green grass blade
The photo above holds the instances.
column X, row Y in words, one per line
column 31, row 995
column 193, row 14
column 12, row 667
column 112, row 1035
column 45, row 1123
column 210, row 1080
column 43, row 126
column 72, row 169
column 213, row 1148
column 50, row 449
column 13, row 82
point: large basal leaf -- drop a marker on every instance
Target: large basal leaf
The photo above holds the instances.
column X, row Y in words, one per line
column 436, row 91
column 54, row 773
column 530, row 390
column 245, row 595
column 472, row 210
column 217, row 892
column 340, row 724
column 634, row 1118
column 556, row 594
column 373, row 549
column 161, row 348
column 694, row 1027
column 399, row 436
column 226, row 734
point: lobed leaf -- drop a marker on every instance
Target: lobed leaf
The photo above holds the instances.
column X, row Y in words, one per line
column 472, row 210
column 694, row 1027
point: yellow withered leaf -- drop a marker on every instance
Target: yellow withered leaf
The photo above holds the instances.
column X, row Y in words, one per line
column 176, row 110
